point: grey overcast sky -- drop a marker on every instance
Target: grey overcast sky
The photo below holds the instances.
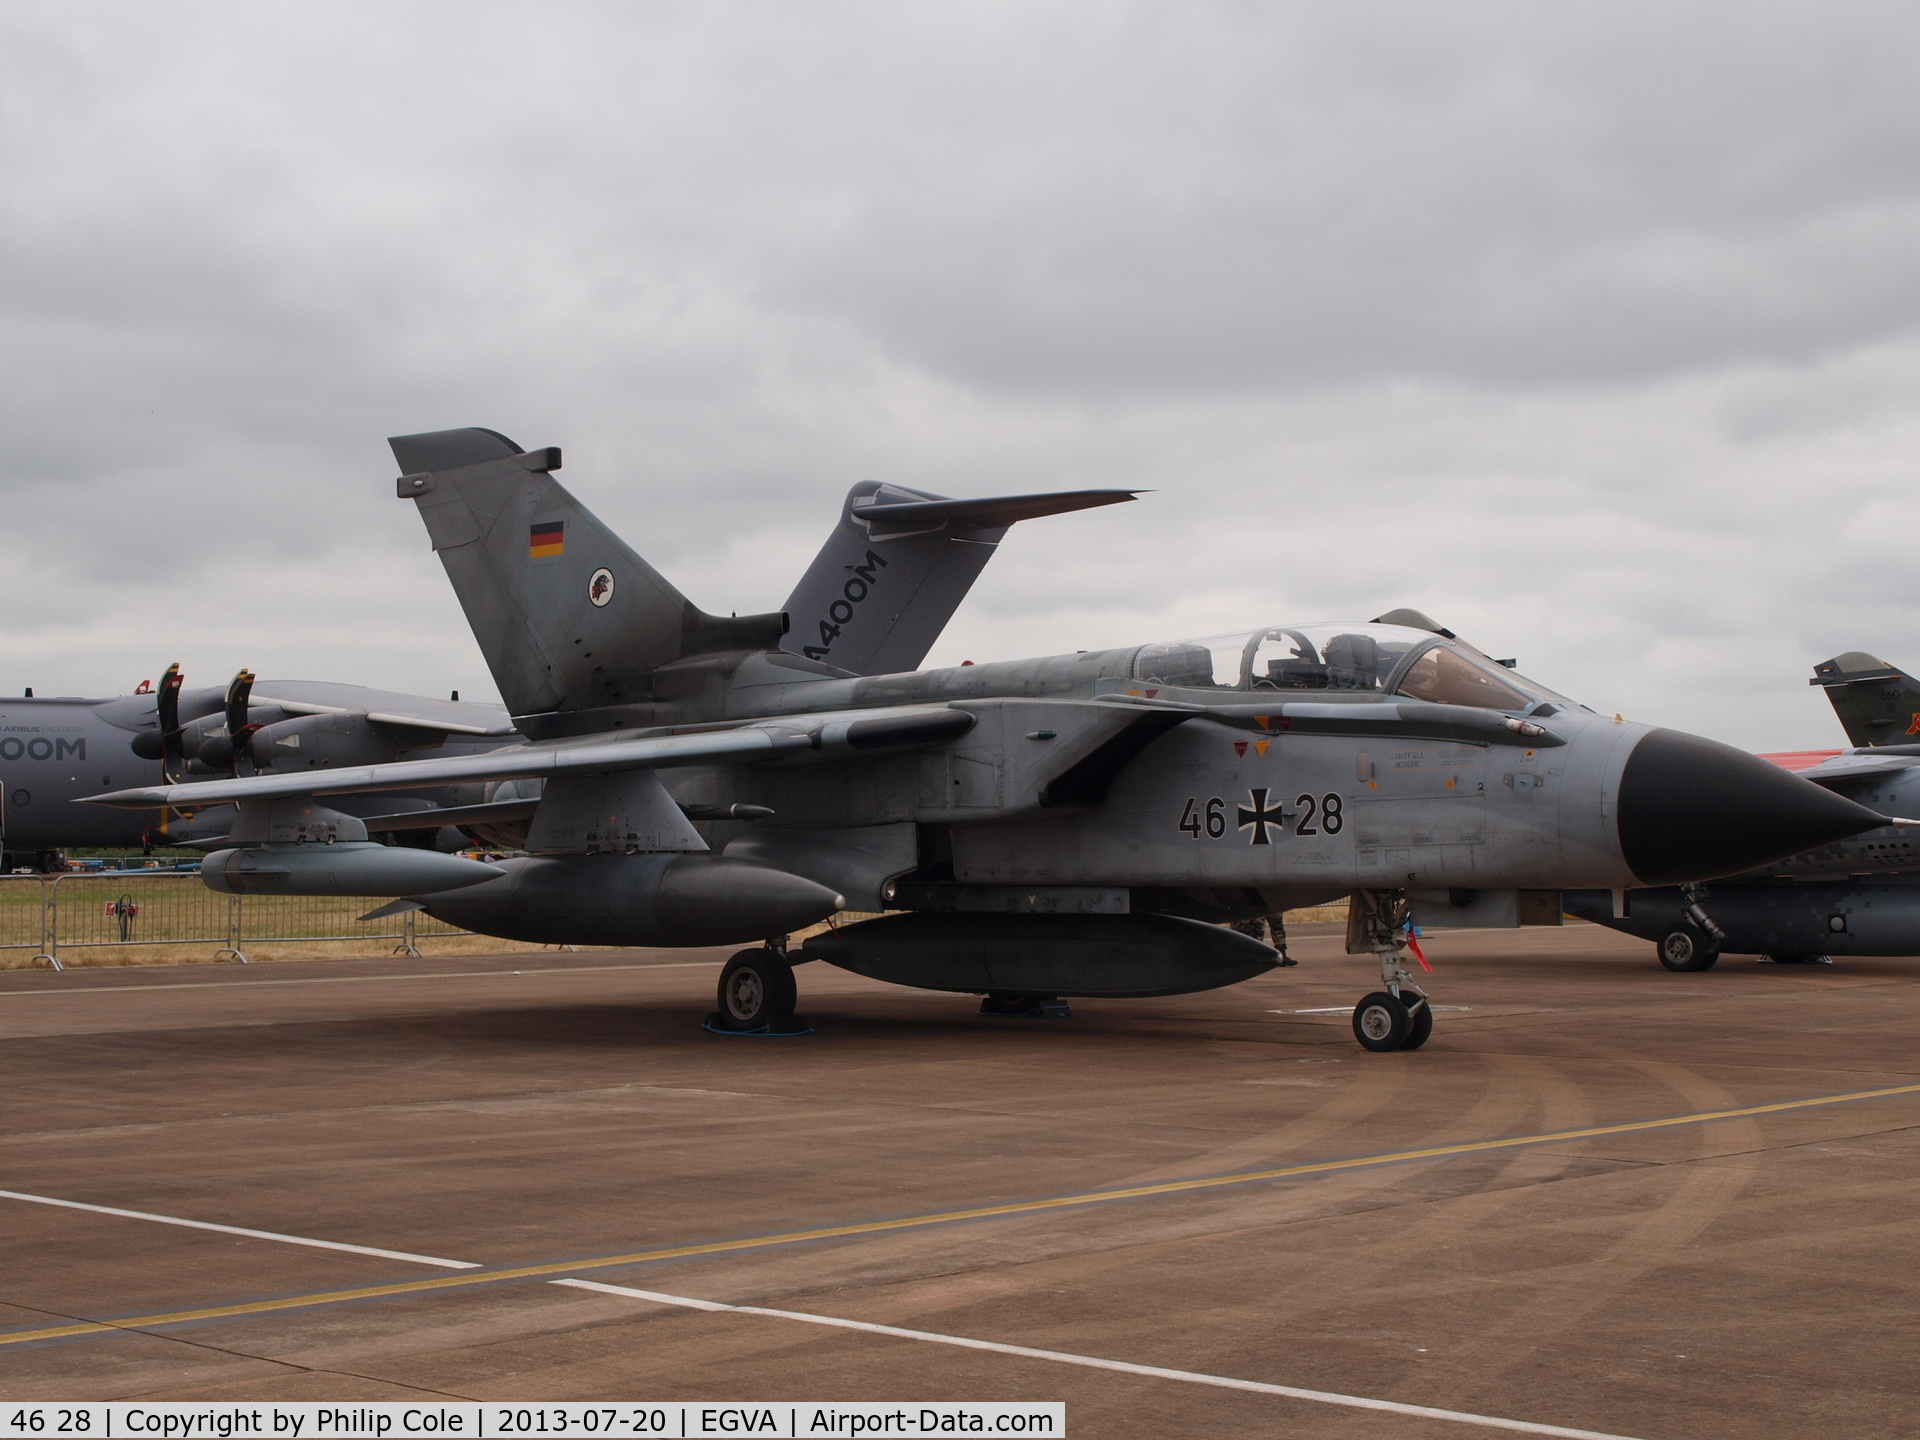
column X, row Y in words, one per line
column 1592, row 329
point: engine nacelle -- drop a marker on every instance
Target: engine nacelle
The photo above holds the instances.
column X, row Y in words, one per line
column 203, row 734
column 216, row 753
column 354, row 867
column 986, row 953
column 311, row 742
column 654, row 899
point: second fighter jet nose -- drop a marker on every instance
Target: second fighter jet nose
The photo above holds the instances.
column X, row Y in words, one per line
column 1693, row 809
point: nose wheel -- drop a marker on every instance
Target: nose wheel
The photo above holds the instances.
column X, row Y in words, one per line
column 1399, row 1016
column 1381, row 1022
column 1694, row 943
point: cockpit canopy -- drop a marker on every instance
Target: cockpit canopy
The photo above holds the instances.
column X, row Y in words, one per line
column 1375, row 659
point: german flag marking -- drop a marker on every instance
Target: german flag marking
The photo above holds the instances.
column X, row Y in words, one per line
column 548, row 537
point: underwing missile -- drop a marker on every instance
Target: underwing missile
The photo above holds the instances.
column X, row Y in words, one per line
column 354, row 867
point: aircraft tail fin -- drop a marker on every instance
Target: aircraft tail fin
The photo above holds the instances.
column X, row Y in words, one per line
column 567, row 615
column 1878, row 703
column 896, row 567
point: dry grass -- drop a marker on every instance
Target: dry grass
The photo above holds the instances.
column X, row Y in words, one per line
column 178, row 921
column 1318, row 914
column 268, row 951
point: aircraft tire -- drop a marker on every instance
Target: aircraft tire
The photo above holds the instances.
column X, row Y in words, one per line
column 756, row 988
column 1381, row 1022
column 1687, row 948
column 1420, row 1026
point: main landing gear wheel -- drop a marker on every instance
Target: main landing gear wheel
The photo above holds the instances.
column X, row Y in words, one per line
column 1687, row 947
column 1381, row 1022
column 756, row 990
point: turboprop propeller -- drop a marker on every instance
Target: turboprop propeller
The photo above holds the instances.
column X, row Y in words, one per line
column 227, row 746
column 167, row 744
column 176, row 742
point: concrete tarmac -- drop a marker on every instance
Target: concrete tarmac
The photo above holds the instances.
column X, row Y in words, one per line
column 563, row 1116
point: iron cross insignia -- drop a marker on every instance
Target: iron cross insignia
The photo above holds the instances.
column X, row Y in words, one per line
column 1258, row 817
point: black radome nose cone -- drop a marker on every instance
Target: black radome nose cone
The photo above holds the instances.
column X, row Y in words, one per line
column 1693, row 809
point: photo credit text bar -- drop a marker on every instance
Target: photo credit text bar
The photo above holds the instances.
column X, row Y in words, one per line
column 569, row 1420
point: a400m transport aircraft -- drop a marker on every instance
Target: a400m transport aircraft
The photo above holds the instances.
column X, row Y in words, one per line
column 1062, row 826
column 57, row 748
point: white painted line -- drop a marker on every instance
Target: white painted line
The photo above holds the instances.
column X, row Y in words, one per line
column 240, row 1230
column 685, row 1302
column 162, row 987
column 1344, row 1009
column 1154, row 1372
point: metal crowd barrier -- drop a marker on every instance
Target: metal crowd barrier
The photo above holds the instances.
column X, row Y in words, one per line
column 23, row 915
column 79, row 911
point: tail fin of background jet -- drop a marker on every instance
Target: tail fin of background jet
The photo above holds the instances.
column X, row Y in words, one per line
column 566, row 614
column 1878, row 703
column 898, row 565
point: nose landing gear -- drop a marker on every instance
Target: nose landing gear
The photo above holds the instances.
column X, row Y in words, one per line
column 1399, row 1017
column 1694, row 943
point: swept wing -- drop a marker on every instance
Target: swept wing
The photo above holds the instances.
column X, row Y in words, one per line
column 827, row 736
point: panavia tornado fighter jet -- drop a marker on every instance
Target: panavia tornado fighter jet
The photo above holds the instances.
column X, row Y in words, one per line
column 1053, row 827
column 1859, row 895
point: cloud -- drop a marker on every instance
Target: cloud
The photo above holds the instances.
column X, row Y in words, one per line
column 1592, row 330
